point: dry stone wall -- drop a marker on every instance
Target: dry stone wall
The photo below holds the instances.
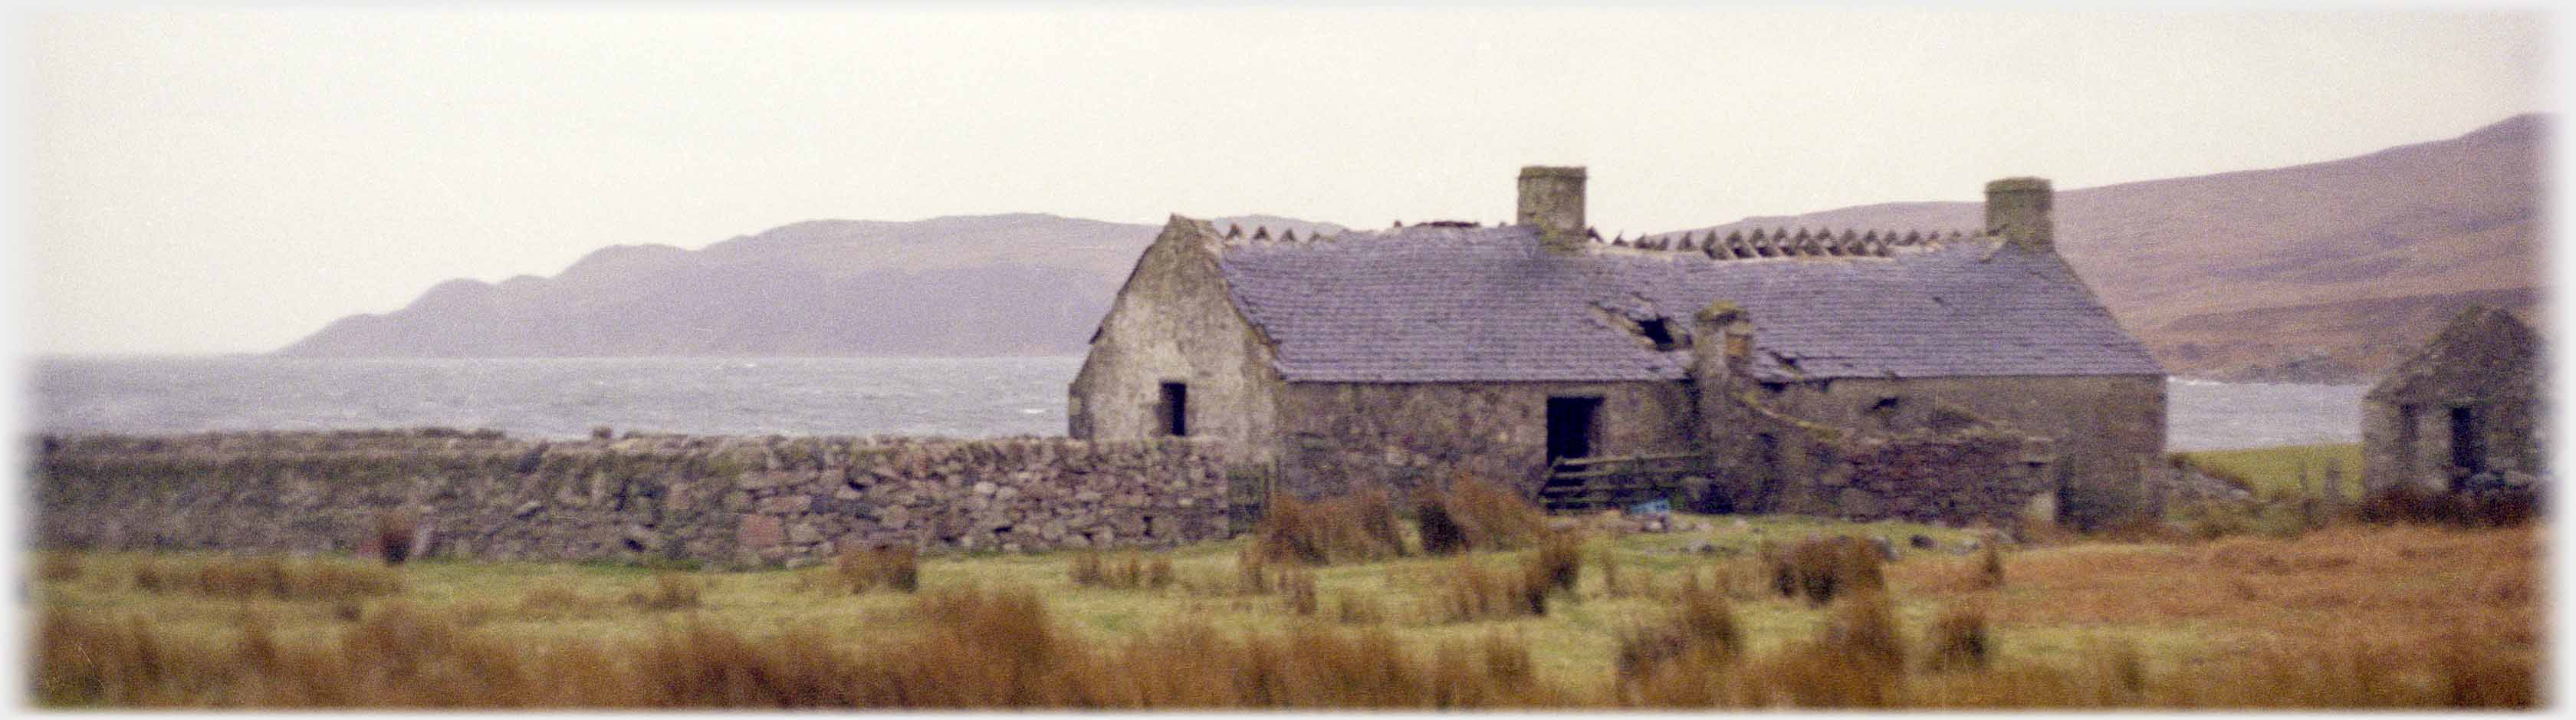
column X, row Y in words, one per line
column 725, row 500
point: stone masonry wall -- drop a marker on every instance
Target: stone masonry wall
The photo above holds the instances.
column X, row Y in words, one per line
column 2103, row 428
column 1401, row 435
column 1765, row 460
column 2484, row 362
column 724, row 500
column 1924, row 460
column 1956, row 479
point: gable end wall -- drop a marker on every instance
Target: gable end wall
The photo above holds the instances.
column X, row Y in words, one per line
column 1173, row 321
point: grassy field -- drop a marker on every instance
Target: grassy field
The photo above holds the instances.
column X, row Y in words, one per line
column 2287, row 471
column 2345, row 616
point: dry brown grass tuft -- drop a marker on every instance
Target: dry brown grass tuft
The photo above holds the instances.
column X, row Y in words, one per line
column 150, row 576
column 1158, row 573
column 1558, row 563
column 1701, row 634
column 701, row 666
column 1821, row 568
column 669, row 591
column 58, row 567
column 244, row 577
column 1130, row 572
column 1299, row 588
column 1958, row 640
column 1353, row 528
column 1746, row 578
column 1373, row 510
column 1440, row 533
column 1990, row 566
column 1861, row 629
column 854, row 571
column 1470, row 593
column 1358, row 609
column 1089, row 568
column 896, row 568
column 2041, row 531
column 267, row 576
column 982, row 649
column 554, row 602
column 1251, row 571
column 1311, row 667
column 80, row 660
column 1292, row 529
column 1490, row 517
column 1857, row 659
column 1615, row 585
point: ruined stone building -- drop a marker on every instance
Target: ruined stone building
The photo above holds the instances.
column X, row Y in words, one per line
column 1865, row 374
column 2464, row 411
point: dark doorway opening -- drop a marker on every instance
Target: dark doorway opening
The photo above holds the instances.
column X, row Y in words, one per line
column 2468, row 446
column 1176, row 409
column 1573, row 423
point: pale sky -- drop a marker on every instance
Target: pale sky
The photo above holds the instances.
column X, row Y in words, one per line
column 228, row 182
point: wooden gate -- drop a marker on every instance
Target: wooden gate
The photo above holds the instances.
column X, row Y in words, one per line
column 1593, row 483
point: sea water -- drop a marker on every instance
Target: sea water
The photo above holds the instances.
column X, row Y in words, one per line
column 952, row 397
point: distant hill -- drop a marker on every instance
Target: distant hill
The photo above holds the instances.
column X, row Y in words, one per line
column 2322, row 272
column 2326, row 271
column 1018, row 284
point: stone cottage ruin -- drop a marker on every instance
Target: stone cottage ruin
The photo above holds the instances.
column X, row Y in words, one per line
column 2462, row 414
column 1935, row 376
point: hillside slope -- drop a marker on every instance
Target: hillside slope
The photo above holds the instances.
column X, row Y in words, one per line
column 2324, row 271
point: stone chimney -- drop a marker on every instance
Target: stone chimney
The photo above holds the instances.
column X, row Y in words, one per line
column 2017, row 209
column 1552, row 199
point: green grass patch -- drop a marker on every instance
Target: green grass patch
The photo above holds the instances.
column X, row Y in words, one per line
column 2286, row 472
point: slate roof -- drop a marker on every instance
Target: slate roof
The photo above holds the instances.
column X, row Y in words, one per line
column 2480, row 340
column 1487, row 304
